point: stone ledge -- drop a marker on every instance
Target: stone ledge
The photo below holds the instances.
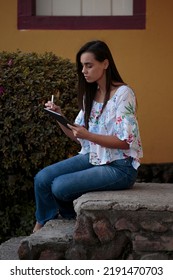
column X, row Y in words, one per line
column 130, row 224
column 149, row 196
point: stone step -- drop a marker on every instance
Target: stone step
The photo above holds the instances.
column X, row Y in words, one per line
column 50, row 242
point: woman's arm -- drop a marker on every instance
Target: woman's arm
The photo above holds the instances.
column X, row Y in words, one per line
column 107, row 141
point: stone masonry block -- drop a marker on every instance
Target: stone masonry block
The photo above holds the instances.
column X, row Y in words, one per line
column 104, row 230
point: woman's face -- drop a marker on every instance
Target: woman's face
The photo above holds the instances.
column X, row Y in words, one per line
column 93, row 70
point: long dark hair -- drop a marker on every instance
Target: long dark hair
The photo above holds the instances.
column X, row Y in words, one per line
column 87, row 91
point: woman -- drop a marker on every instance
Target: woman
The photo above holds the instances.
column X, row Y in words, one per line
column 107, row 129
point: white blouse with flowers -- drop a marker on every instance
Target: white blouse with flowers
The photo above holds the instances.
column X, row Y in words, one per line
column 119, row 119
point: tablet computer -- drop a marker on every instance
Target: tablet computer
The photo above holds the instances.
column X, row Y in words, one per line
column 61, row 119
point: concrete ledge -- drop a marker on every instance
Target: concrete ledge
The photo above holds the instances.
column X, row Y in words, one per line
column 151, row 196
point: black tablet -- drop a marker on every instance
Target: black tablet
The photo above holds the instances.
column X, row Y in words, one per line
column 59, row 118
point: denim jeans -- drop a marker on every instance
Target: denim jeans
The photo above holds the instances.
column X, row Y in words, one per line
column 57, row 185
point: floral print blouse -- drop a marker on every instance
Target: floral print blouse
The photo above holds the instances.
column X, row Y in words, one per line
column 118, row 118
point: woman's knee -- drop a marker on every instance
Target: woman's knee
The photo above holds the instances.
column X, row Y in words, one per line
column 41, row 178
column 60, row 189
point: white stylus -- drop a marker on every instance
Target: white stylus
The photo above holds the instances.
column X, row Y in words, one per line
column 52, row 99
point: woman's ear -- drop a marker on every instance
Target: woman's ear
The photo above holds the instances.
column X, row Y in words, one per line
column 106, row 63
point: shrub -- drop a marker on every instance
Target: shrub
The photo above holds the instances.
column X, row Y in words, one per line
column 30, row 138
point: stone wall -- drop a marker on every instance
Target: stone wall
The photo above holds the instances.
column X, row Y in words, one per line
column 122, row 234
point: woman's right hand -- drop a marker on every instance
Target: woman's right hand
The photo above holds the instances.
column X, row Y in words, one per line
column 52, row 106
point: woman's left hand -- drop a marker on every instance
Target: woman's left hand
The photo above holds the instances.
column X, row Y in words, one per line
column 79, row 131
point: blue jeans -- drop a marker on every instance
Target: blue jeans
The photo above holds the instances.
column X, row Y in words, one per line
column 57, row 185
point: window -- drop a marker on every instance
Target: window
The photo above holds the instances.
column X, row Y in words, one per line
column 81, row 14
column 84, row 7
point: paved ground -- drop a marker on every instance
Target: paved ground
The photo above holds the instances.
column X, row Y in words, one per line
column 8, row 249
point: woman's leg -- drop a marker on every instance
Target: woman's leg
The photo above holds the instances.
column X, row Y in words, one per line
column 47, row 206
column 118, row 175
column 56, row 186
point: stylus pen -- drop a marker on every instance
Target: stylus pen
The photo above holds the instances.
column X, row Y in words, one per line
column 52, row 99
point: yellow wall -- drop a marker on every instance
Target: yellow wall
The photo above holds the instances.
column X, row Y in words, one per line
column 144, row 59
